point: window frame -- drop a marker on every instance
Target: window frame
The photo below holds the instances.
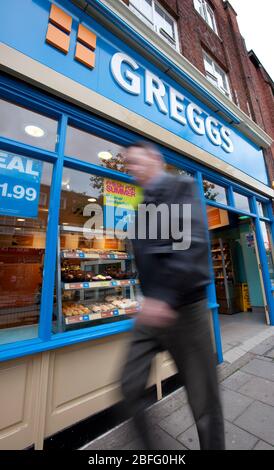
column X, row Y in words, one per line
column 153, row 25
column 207, row 12
column 213, row 77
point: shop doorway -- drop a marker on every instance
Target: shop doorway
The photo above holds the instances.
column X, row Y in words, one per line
column 240, row 293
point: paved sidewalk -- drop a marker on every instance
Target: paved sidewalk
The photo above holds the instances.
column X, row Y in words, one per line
column 247, row 387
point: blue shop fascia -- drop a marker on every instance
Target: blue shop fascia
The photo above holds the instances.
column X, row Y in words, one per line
column 77, row 84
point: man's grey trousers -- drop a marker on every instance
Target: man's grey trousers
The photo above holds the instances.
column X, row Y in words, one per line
column 189, row 343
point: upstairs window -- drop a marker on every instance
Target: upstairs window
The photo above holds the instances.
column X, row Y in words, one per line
column 206, row 13
column 155, row 16
column 216, row 75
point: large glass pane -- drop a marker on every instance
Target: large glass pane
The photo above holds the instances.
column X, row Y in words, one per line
column 241, row 202
column 143, row 9
column 262, row 209
column 214, row 192
column 268, row 248
column 176, row 170
column 93, row 149
column 162, row 20
column 210, row 17
column 96, row 272
column 27, row 126
column 199, row 7
column 24, row 190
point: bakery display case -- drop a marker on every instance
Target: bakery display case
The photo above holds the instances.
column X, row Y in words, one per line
column 96, row 281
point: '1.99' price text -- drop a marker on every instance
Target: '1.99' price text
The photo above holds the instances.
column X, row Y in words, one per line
column 18, row 192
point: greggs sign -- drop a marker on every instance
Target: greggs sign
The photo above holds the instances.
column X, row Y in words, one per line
column 185, row 112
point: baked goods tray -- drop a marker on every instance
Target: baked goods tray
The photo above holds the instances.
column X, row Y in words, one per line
column 95, row 256
column 99, row 315
column 100, row 284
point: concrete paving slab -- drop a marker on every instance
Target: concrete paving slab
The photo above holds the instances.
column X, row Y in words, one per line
column 270, row 353
column 168, row 405
column 189, row 438
column 117, row 438
column 234, row 404
column 165, row 441
column 236, row 380
column 235, row 438
column 261, row 445
column 178, row 421
column 258, row 419
column 259, row 389
column 261, row 349
column 238, row 439
column 260, row 369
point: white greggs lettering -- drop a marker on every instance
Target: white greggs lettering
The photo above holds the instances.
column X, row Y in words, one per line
column 181, row 110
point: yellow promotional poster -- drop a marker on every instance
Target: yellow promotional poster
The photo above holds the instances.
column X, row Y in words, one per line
column 117, row 193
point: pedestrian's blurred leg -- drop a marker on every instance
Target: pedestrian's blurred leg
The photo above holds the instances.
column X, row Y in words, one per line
column 135, row 374
column 191, row 347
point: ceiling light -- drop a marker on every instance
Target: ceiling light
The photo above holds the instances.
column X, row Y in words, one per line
column 21, row 220
column 34, row 131
column 92, row 199
column 105, row 155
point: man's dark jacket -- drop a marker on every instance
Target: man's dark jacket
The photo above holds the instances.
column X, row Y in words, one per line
column 177, row 277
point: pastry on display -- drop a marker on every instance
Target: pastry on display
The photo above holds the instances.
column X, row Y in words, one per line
column 116, row 273
column 100, row 277
column 70, row 309
column 111, row 298
column 73, row 273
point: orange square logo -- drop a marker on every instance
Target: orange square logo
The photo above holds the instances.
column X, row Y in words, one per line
column 85, row 55
column 87, row 37
column 57, row 38
column 59, row 18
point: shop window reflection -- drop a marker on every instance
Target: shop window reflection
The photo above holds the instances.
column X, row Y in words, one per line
column 176, row 170
column 214, row 192
column 241, row 202
column 22, row 247
column 262, row 209
column 266, row 233
column 29, row 127
column 92, row 149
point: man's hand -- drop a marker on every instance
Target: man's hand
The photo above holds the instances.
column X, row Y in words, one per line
column 156, row 313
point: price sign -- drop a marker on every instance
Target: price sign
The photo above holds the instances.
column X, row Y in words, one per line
column 19, row 185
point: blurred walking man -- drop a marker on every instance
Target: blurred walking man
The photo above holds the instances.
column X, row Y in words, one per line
column 174, row 316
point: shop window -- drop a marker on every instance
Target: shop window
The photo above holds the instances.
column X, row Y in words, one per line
column 93, row 149
column 241, row 202
column 155, row 16
column 262, row 209
column 176, row 170
column 23, row 224
column 214, row 192
column 96, row 272
column 216, row 75
column 206, row 13
column 268, row 244
column 27, row 126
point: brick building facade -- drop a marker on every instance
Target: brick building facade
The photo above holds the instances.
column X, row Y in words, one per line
column 251, row 87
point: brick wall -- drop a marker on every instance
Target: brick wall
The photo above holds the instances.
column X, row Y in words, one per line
column 229, row 50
